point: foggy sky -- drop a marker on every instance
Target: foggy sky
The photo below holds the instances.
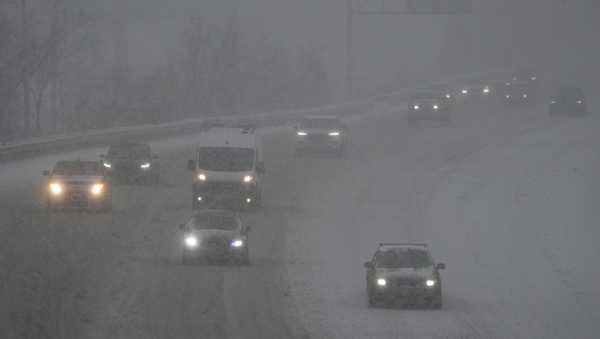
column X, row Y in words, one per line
column 499, row 33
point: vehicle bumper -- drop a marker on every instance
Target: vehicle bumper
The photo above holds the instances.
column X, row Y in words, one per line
column 231, row 196
column 317, row 144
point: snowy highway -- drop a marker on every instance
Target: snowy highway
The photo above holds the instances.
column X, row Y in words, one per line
column 499, row 195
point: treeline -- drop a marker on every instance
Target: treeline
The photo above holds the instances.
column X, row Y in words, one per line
column 62, row 69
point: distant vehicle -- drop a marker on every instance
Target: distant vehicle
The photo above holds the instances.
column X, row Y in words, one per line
column 321, row 133
column 428, row 106
column 446, row 92
column 228, row 169
column 215, row 235
column 524, row 75
column 406, row 273
column 474, row 91
column 519, row 93
column 131, row 161
column 78, row 184
column 568, row 101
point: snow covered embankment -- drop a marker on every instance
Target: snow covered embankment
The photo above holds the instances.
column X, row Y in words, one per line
column 524, row 241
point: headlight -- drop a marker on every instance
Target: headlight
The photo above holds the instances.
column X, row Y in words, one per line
column 486, row 90
column 97, row 189
column 579, row 102
column 508, row 96
column 524, row 96
column 145, row 165
column 465, row 91
column 248, row 179
column 381, row 282
column 448, row 96
column 202, row 177
column 552, row 102
column 56, row 188
column 416, row 107
column 334, row 133
column 301, row 133
column 107, row 165
column 237, row 243
column 533, row 78
column 191, row 241
column 430, row 283
column 436, row 107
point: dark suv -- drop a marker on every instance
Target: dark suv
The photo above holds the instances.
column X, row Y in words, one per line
column 406, row 273
column 130, row 161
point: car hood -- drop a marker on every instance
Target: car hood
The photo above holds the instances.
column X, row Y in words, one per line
column 72, row 179
column 391, row 273
column 216, row 234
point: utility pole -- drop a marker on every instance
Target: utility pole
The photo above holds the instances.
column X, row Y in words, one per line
column 25, row 71
column 401, row 7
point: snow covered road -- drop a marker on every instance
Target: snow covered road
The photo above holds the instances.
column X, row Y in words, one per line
column 482, row 192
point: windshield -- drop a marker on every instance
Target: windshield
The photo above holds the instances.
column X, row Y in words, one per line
column 402, row 258
column 226, row 159
column 77, row 168
column 569, row 93
column 214, row 222
column 320, row 124
column 134, row 151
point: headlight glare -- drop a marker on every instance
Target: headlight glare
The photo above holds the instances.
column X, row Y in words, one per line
column 301, row 133
column 381, row 282
column 97, row 189
column 107, row 165
column 248, row 179
column 436, row 107
column 145, row 165
column 202, row 177
column 237, row 243
column 56, row 188
column 430, row 283
column 416, row 107
column 191, row 241
column 334, row 133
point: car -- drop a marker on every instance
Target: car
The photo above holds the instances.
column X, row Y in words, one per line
column 131, row 162
column 320, row 133
column 525, row 75
column 77, row 184
column 228, row 169
column 474, row 91
column 568, row 101
column 404, row 272
column 428, row 106
column 447, row 94
column 519, row 93
column 215, row 235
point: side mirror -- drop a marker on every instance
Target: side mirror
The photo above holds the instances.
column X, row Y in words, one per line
column 46, row 173
column 260, row 167
column 440, row 266
column 191, row 165
column 368, row 265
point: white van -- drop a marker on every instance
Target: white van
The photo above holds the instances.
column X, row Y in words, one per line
column 228, row 169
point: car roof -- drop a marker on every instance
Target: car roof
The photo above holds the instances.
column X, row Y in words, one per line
column 228, row 137
column 393, row 246
column 321, row 117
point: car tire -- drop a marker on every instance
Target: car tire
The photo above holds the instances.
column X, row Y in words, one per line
column 371, row 302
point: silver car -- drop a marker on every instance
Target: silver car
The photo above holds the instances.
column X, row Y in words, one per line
column 215, row 235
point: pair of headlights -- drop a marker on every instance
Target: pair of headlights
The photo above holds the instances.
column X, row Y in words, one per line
column 331, row 133
column 144, row 166
column 191, row 241
column 246, row 179
column 418, row 107
column 57, row 189
column 381, row 282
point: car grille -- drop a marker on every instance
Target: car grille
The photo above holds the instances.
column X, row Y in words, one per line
column 318, row 137
column 408, row 282
column 222, row 187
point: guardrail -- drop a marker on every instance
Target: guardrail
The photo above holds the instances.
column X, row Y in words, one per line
column 36, row 147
